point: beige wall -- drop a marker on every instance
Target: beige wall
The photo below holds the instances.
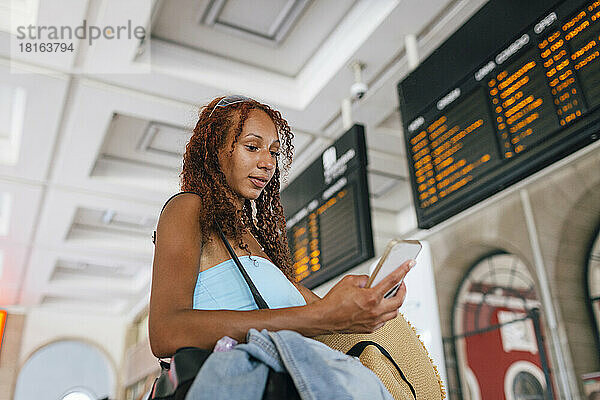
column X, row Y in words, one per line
column 566, row 208
column 9, row 354
column 107, row 333
column 46, row 326
column 139, row 364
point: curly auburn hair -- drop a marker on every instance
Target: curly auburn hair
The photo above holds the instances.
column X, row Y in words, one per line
column 202, row 175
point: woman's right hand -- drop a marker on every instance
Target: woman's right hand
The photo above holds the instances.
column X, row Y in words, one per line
column 349, row 307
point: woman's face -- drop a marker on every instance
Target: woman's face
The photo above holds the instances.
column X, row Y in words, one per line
column 254, row 159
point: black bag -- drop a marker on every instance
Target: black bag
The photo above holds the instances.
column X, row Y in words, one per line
column 177, row 376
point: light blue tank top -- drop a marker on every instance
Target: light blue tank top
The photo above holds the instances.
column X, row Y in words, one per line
column 223, row 287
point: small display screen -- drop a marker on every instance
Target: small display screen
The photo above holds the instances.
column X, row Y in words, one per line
column 328, row 213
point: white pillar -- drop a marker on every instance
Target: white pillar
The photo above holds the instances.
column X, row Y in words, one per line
column 347, row 113
column 412, row 51
column 546, row 297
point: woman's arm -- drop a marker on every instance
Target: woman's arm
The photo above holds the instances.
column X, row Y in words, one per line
column 173, row 323
column 309, row 295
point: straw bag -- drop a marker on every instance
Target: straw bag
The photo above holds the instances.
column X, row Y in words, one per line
column 409, row 375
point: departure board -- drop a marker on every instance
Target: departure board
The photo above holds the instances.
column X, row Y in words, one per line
column 515, row 89
column 328, row 213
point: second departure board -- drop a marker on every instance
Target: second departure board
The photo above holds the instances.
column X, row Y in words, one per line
column 328, row 214
column 516, row 88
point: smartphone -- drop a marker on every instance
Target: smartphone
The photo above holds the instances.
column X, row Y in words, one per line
column 396, row 253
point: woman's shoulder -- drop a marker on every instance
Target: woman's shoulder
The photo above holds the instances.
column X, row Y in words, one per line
column 182, row 202
column 180, row 213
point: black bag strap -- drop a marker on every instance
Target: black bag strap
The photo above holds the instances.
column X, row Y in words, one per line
column 359, row 347
column 260, row 302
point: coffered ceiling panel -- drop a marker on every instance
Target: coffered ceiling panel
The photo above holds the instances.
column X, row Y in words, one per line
column 31, row 110
column 145, row 141
column 84, row 222
column 270, row 25
column 104, row 148
column 92, row 283
column 275, row 35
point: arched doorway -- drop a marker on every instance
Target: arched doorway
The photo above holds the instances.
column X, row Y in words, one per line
column 66, row 370
column 497, row 335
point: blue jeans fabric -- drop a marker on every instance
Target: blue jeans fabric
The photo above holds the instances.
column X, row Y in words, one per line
column 318, row 371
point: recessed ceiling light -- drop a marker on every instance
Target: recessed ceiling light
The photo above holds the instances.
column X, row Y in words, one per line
column 12, row 116
column 14, row 13
column 5, row 205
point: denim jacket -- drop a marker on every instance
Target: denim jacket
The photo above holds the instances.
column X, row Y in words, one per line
column 318, row 371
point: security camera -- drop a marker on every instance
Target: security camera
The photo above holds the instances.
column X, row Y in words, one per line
column 358, row 90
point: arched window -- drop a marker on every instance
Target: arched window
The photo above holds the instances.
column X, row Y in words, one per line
column 66, row 370
column 527, row 387
column 592, row 277
column 497, row 331
column 78, row 394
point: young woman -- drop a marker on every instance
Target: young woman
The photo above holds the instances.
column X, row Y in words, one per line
column 230, row 178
